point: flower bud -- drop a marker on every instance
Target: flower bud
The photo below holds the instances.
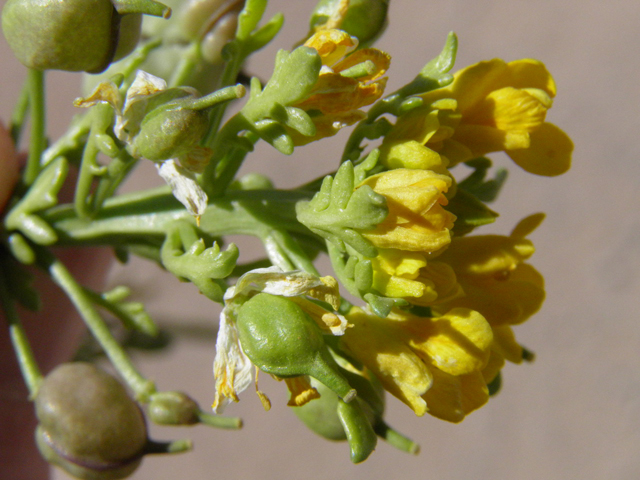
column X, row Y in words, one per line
column 74, row 35
column 173, row 408
column 363, row 19
column 281, row 339
column 169, row 131
column 89, row 426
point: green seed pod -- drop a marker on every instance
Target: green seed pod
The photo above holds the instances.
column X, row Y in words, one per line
column 89, row 426
column 74, row 35
column 281, row 339
column 321, row 415
column 169, row 131
column 365, row 19
column 173, row 408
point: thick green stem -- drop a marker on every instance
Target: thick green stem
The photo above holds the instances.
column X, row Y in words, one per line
column 142, row 387
column 24, row 353
column 38, row 140
column 144, row 216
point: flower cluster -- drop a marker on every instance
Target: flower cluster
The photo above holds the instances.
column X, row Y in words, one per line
column 435, row 298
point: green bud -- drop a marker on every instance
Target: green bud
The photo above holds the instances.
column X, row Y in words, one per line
column 281, row 339
column 365, row 19
column 74, row 35
column 173, row 408
column 89, row 426
column 170, row 131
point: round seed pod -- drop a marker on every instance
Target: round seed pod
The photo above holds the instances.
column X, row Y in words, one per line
column 169, row 131
column 72, row 35
column 281, row 339
column 364, row 19
column 89, row 426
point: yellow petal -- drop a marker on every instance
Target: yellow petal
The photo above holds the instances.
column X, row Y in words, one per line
column 379, row 348
column 452, row 398
column 529, row 73
column 504, row 343
column 549, row 153
column 381, row 61
column 332, row 45
column 508, row 109
column 488, row 255
column 456, row 343
column 412, row 155
column 493, row 366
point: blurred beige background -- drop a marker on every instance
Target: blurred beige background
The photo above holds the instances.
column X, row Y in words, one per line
column 574, row 412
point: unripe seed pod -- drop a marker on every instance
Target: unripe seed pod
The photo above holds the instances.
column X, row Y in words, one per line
column 74, row 35
column 89, row 425
column 281, row 339
column 169, row 132
column 173, row 408
column 365, row 19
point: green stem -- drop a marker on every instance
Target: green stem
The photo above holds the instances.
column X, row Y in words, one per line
column 282, row 244
column 230, row 423
column 229, row 154
column 26, row 360
column 20, row 114
column 38, row 140
column 190, row 60
column 229, row 75
column 89, row 168
column 395, row 438
column 142, row 387
column 71, row 140
column 141, row 217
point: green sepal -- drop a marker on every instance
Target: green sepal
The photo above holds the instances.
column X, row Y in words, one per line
column 356, row 274
column 184, row 254
column 249, row 18
column 132, row 314
column 382, row 306
column 273, row 133
column 338, row 210
column 43, row 194
column 295, row 118
column 435, row 73
column 294, row 75
column 21, row 249
column 266, row 33
column 475, row 184
column 470, row 212
column 495, row 385
column 362, row 439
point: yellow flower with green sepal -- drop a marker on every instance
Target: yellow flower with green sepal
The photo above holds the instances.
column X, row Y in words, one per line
column 502, row 107
column 417, row 220
column 432, row 364
column 348, row 81
column 407, row 275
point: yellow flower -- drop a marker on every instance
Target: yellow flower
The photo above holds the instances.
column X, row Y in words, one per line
column 348, row 81
column 496, row 281
column 400, row 274
column 417, row 220
column 502, row 107
column 431, row 364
